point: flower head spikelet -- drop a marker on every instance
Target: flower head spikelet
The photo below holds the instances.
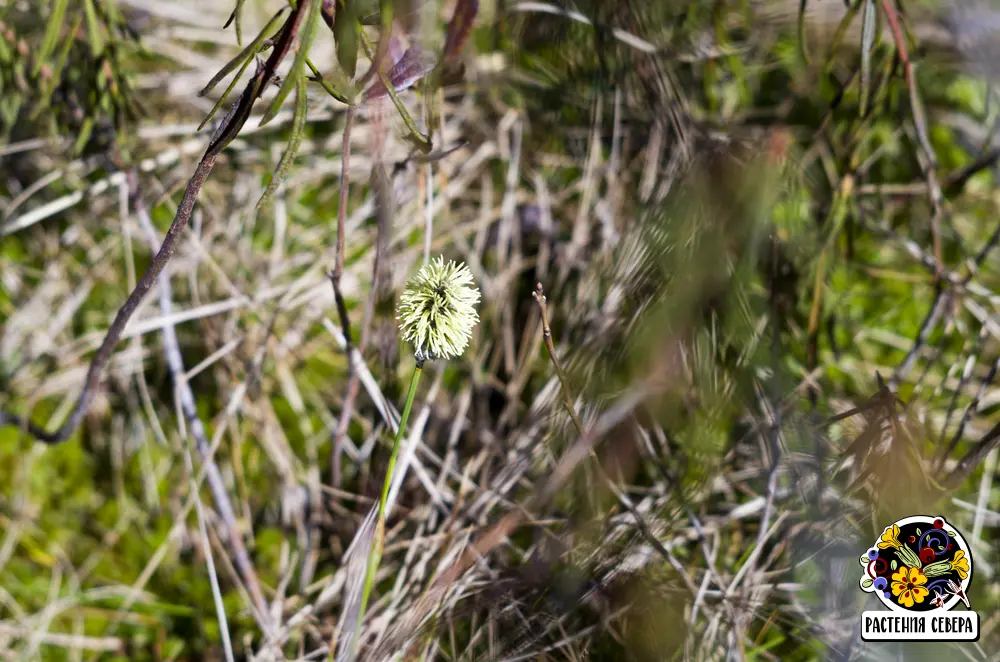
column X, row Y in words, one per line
column 436, row 312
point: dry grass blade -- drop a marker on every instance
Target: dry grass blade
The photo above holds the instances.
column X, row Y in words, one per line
column 294, row 141
column 356, row 557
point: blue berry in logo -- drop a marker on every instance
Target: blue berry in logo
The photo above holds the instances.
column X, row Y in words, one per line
column 872, row 554
column 888, row 595
column 880, row 583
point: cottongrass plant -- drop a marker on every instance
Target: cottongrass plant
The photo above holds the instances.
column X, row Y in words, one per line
column 436, row 315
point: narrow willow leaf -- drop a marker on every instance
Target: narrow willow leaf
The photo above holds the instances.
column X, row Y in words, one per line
column 225, row 95
column 838, row 36
column 245, row 55
column 296, row 73
column 345, row 31
column 93, row 28
column 329, row 10
column 868, row 31
column 340, row 89
column 418, row 139
column 294, row 141
column 460, row 27
column 384, row 40
column 237, row 115
column 52, row 29
column 237, row 17
column 416, row 63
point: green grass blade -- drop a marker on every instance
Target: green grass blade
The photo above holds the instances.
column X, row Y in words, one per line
column 244, row 56
column 296, row 73
column 345, row 32
column 93, row 27
column 298, row 128
column 45, row 99
column 52, row 30
column 867, row 44
column 225, row 95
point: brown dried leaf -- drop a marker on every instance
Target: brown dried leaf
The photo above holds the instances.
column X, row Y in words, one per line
column 460, row 27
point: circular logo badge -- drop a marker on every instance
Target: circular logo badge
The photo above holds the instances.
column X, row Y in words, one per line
column 918, row 564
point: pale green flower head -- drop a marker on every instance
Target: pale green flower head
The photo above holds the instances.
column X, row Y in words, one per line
column 437, row 310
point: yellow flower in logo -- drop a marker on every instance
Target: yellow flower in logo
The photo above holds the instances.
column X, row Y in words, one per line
column 960, row 564
column 889, row 538
column 908, row 586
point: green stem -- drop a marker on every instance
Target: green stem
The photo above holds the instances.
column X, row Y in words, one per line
column 330, row 89
column 375, row 555
column 423, row 140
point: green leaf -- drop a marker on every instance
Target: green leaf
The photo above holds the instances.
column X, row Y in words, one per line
column 244, row 57
column 952, row 534
column 341, row 89
column 345, row 31
column 57, row 71
column 838, row 36
column 93, row 27
column 225, row 95
column 52, row 29
column 295, row 73
column 294, row 141
column 867, row 583
column 86, row 129
column 237, row 16
column 940, row 548
column 893, row 565
column 868, row 32
column 918, row 532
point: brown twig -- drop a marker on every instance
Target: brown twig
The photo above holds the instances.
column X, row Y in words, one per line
column 973, row 458
column 941, row 300
column 970, row 411
column 114, row 332
column 920, row 122
column 539, row 295
column 228, row 129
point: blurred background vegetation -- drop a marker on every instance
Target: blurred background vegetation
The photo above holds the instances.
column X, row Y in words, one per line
column 766, row 234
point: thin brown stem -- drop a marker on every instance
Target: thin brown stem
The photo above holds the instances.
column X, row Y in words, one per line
column 228, row 129
column 125, row 313
column 920, row 122
column 973, row 458
column 539, row 295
